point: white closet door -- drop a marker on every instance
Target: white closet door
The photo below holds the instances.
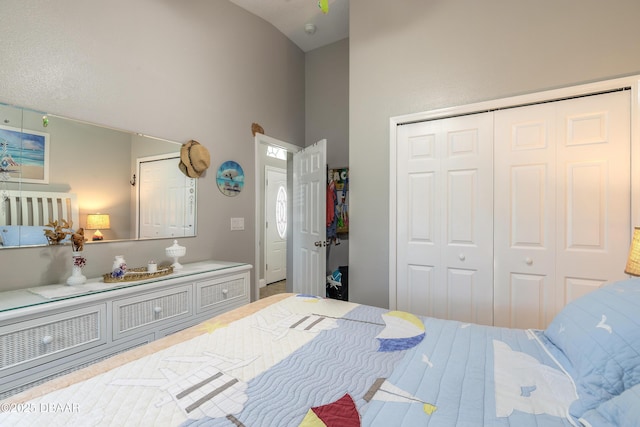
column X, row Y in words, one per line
column 562, row 204
column 525, row 216
column 594, row 193
column 445, row 206
column 166, row 203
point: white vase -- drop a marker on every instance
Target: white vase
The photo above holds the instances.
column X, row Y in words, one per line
column 76, row 278
column 175, row 252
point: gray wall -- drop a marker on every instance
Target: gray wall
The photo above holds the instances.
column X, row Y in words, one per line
column 327, row 100
column 195, row 69
column 410, row 56
column 327, row 116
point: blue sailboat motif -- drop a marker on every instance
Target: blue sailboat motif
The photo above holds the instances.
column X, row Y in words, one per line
column 403, row 331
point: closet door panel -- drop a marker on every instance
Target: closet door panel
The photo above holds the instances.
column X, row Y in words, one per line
column 575, row 288
column 586, row 193
column 594, row 222
column 418, row 235
column 529, row 294
column 465, row 301
column 417, row 295
column 445, row 227
column 524, row 216
column 562, row 204
column 467, row 166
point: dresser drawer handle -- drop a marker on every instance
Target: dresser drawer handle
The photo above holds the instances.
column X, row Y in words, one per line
column 225, row 291
column 47, row 339
column 157, row 309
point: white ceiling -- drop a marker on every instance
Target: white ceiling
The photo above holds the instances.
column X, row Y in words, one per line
column 291, row 16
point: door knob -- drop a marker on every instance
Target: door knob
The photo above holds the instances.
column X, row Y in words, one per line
column 528, row 261
column 320, row 243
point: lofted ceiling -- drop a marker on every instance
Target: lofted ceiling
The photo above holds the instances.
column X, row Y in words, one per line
column 291, row 17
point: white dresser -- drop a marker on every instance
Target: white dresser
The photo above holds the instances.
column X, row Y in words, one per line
column 48, row 331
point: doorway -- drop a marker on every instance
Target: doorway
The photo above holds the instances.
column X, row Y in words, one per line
column 264, row 143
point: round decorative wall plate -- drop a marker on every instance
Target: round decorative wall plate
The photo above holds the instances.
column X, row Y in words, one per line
column 230, row 178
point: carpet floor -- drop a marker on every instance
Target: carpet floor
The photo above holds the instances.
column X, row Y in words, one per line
column 273, row 288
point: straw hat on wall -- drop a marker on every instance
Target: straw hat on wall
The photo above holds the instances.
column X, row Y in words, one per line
column 194, row 159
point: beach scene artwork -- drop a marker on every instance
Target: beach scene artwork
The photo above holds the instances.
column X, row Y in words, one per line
column 24, row 155
column 230, row 178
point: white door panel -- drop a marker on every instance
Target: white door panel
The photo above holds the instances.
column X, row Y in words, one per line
column 562, row 206
column 309, row 220
column 275, row 241
column 539, row 219
column 594, row 219
column 525, row 215
column 166, row 204
column 445, row 263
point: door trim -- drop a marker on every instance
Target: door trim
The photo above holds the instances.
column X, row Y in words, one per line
column 632, row 82
column 260, row 139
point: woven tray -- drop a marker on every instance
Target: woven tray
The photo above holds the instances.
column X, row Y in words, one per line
column 140, row 273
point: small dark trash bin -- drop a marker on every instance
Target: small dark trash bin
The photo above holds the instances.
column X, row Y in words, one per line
column 341, row 292
column 344, row 289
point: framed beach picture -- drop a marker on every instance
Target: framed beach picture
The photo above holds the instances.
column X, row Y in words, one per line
column 24, row 155
column 230, row 178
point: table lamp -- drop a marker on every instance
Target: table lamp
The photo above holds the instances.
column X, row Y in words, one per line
column 98, row 222
column 633, row 261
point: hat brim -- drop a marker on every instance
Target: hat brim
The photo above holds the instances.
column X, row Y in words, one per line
column 185, row 162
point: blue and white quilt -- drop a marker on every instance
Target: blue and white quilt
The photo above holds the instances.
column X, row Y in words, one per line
column 307, row 361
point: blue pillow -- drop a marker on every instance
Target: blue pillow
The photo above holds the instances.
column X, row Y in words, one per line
column 23, row 235
column 622, row 410
column 599, row 334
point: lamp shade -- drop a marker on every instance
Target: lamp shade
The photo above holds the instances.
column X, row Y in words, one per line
column 633, row 261
column 98, row 222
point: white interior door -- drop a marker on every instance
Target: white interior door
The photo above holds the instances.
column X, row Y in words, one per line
column 445, row 211
column 275, row 224
column 309, row 219
column 562, row 205
column 163, row 209
column 525, row 215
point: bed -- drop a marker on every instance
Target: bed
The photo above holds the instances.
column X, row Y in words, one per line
column 300, row 360
column 24, row 215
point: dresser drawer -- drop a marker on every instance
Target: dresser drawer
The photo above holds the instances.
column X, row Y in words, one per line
column 213, row 292
column 42, row 339
column 151, row 310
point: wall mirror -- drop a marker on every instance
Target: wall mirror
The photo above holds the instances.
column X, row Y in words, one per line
column 117, row 185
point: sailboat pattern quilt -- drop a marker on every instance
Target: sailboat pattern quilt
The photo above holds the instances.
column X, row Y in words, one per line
column 309, row 361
